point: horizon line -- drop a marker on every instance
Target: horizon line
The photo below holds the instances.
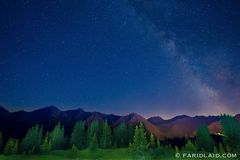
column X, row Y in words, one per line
column 76, row 108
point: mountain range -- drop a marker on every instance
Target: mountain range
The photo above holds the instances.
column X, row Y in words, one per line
column 16, row 124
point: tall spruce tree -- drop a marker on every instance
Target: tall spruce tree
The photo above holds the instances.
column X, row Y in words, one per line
column 121, row 135
column 231, row 132
column 93, row 145
column 46, row 146
column 94, row 128
column 204, row 140
column 139, row 147
column 130, row 130
column 106, row 139
column 57, row 138
column 152, row 141
column 32, row 141
column 78, row 136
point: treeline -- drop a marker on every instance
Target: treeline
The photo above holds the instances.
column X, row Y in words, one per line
column 203, row 142
column 97, row 135
column 230, row 134
column 139, row 141
column 226, row 141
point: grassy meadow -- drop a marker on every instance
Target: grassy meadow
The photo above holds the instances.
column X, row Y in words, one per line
column 100, row 154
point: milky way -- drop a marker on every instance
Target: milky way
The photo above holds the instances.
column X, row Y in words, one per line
column 153, row 57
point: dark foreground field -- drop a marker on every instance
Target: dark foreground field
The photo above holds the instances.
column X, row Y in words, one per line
column 106, row 154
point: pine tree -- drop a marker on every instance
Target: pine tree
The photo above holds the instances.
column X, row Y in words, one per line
column 139, row 146
column 204, row 140
column 121, row 135
column 1, row 142
column 153, row 149
column 78, row 136
column 152, row 141
column 106, row 136
column 32, row 141
column 136, row 140
column 57, row 138
column 231, row 132
column 11, row 147
column 93, row 143
column 142, row 134
column 93, row 129
column 130, row 130
column 46, row 145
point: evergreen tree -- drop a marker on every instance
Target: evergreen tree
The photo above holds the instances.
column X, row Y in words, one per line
column 106, row 136
column 130, row 130
column 1, row 142
column 46, row 145
column 152, row 144
column 121, row 135
column 231, row 132
column 139, row 146
column 78, row 136
column 94, row 129
column 152, row 141
column 57, row 138
column 204, row 140
column 11, row 147
column 32, row 141
column 93, row 145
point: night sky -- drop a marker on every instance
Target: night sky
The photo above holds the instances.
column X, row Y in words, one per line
column 153, row 57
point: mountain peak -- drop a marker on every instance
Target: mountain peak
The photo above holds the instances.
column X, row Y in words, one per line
column 131, row 118
column 52, row 108
column 155, row 120
column 156, row 117
column 80, row 109
column 134, row 118
column 75, row 110
column 178, row 117
column 49, row 109
column 133, row 114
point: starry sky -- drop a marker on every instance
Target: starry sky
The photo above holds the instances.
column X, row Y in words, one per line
column 153, row 57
